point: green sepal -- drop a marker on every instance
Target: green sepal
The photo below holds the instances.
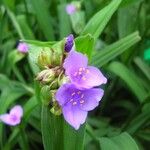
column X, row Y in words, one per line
column 46, row 95
column 58, row 52
column 46, row 76
column 45, row 58
column 56, row 109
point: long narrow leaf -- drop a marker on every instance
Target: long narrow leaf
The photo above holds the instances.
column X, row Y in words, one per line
column 52, row 130
column 110, row 52
column 130, row 79
column 43, row 17
column 98, row 22
column 121, row 142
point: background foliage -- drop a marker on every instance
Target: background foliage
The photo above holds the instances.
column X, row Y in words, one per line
column 122, row 121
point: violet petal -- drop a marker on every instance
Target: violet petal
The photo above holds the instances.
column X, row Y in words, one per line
column 69, row 43
column 74, row 61
column 74, row 115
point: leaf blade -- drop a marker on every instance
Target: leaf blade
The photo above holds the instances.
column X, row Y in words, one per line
column 98, row 22
column 104, row 56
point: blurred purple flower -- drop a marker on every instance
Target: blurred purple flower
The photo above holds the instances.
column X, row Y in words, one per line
column 69, row 43
column 70, row 9
column 76, row 103
column 22, row 47
column 12, row 118
column 80, row 74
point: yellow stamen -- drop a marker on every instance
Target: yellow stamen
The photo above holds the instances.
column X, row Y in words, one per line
column 79, row 92
column 80, row 69
column 74, row 103
column 75, row 74
column 81, row 101
column 87, row 71
column 73, row 93
column 84, row 78
column 79, row 73
column 82, row 95
column 71, row 100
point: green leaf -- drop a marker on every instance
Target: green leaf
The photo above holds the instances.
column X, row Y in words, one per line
column 76, row 136
column 52, row 130
column 39, row 43
column 126, row 3
column 138, row 121
column 121, row 142
column 15, row 23
column 27, row 32
column 110, row 52
column 34, row 52
column 16, row 89
column 55, row 129
column 126, row 23
column 143, row 67
column 64, row 22
column 147, row 55
column 85, row 44
column 78, row 21
column 29, row 106
column 145, row 135
column 43, row 17
column 131, row 80
column 98, row 22
column 14, row 56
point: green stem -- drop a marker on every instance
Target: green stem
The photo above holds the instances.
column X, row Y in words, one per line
column 25, row 145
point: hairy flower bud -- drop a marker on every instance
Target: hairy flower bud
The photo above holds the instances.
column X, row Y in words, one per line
column 44, row 59
column 64, row 79
column 56, row 109
column 69, row 43
column 58, row 51
column 22, row 47
column 46, row 95
column 46, row 76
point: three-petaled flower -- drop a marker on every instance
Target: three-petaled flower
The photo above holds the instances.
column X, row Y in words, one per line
column 22, row 47
column 80, row 74
column 70, row 9
column 12, row 118
column 76, row 103
column 79, row 96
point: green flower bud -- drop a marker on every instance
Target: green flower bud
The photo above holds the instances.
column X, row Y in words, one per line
column 54, row 84
column 58, row 53
column 46, row 76
column 56, row 109
column 46, row 95
column 77, row 4
column 45, row 58
column 64, row 79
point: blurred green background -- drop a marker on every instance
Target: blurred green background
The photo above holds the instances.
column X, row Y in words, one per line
column 125, row 107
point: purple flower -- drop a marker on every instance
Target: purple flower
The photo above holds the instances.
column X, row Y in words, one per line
column 12, row 118
column 69, row 43
column 76, row 103
column 70, row 9
column 80, row 74
column 22, row 47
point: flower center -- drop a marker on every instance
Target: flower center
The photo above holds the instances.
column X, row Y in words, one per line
column 13, row 118
column 81, row 73
column 77, row 98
